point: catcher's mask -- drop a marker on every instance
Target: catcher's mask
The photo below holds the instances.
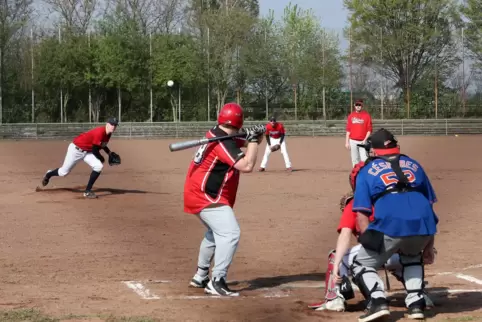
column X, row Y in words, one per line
column 354, row 173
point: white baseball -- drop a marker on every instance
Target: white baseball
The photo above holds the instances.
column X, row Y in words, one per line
column 170, row 83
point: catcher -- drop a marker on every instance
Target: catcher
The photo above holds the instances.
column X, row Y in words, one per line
column 275, row 138
column 86, row 147
column 338, row 288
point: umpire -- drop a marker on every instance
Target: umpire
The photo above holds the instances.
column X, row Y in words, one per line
column 398, row 189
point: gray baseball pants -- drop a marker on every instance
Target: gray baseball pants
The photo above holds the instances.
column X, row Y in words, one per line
column 220, row 241
column 367, row 262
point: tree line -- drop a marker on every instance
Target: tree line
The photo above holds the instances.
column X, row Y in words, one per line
column 82, row 60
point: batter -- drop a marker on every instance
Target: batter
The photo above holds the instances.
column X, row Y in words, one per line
column 86, row 147
column 210, row 192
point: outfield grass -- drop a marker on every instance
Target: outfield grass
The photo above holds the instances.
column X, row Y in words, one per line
column 32, row 315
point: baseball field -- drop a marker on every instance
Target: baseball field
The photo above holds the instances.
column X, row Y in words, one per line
column 130, row 254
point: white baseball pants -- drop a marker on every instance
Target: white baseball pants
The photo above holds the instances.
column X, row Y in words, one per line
column 220, row 241
column 283, row 149
column 74, row 155
column 357, row 153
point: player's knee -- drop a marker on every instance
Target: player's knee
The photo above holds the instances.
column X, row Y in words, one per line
column 98, row 167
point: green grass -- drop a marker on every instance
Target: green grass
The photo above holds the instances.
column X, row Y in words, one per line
column 32, row 315
column 465, row 319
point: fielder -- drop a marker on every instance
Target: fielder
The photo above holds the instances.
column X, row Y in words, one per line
column 210, row 193
column 358, row 129
column 275, row 138
column 338, row 288
column 396, row 190
column 87, row 147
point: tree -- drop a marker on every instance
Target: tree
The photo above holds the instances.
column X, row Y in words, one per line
column 14, row 16
column 403, row 38
column 472, row 9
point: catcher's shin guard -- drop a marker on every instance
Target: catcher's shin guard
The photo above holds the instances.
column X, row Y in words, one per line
column 415, row 272
column 359, row 279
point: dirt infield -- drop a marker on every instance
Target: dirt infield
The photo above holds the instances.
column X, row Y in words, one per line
column 133, row 251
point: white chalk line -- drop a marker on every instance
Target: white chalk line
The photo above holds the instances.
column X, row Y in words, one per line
column 469, row 278
column 141, row 290
column 144, row 293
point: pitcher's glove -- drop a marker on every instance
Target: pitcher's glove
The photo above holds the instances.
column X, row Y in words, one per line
column 255, row 133
column 275, row 147
column 345, row 200
column 114, row 159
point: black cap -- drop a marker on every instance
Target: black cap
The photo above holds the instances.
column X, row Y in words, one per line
column 383, row 139
column 113, row 121
column 272, row 119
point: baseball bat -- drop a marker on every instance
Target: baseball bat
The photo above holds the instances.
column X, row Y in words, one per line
column 178, row 146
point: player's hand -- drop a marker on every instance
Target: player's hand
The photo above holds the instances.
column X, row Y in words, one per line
column 429, row 255
column 347, row 146
column 337, row 278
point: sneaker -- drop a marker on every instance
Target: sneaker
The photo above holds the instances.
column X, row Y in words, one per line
column 219, row 287
column 89, row 195
column 289, row 169
column 416, row 310
column 199, row 282
column 378, row 308
column 337, row 304
column 261, row 169
column 45, row 180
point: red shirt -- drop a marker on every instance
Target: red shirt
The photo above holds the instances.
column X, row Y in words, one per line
column 358, row 124
column 348, row 219
column 211, row 177
column 96, row 136
column 275, row 131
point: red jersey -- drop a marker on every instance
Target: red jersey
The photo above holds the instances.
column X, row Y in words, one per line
column 275, row 131
column 211, row 177
column 348, row 219
column 96, row 136
column 359, row 124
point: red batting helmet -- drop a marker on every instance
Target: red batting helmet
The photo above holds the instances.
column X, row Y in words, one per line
column 354, row 172
column 231, row 114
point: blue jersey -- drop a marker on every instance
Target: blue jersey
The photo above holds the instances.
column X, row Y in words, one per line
column 397, row 214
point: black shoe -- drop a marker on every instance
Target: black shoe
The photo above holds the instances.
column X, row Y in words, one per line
column 220, row 288
column 416, row 310
column 46, row 179
column 377, row 309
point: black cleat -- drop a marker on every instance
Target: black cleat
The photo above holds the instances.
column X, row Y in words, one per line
column 377, row 309
column 220, row 288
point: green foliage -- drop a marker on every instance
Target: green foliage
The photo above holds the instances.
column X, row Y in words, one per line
column 225, row 51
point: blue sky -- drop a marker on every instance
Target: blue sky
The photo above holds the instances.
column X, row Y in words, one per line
column 331, row 13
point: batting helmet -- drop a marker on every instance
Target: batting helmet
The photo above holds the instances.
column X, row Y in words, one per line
column 354, row 172
column 231, row 114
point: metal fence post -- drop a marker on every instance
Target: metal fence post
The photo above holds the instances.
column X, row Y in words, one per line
column 36, row 131
column 130, row 131
column 446, row 127
column 402, row 127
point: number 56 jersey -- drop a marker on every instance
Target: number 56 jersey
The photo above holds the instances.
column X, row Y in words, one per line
column 211, row 177
column 397, row 213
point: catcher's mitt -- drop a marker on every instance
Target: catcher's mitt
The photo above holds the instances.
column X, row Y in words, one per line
column 275, row 147
column 114, row 159
column 345, row 199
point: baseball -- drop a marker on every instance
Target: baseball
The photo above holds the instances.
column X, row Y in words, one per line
column 170, row 83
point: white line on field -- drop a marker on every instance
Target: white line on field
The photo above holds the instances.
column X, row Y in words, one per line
column 472, row 266
column 141, row 290
column 469, row 278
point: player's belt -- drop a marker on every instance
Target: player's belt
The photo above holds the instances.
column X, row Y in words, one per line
column 77, row 148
